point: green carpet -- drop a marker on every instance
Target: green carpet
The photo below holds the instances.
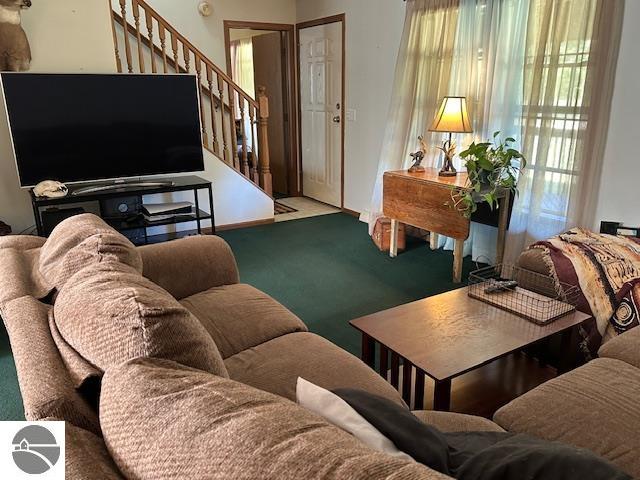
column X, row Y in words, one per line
column 325, row 269
column 328, row 271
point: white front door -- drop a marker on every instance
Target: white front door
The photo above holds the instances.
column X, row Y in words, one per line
column 321, row 107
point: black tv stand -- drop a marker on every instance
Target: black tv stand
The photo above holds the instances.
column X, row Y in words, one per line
column 119, row 204
column 120, row 186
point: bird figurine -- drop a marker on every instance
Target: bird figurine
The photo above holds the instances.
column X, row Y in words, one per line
column 418, row 156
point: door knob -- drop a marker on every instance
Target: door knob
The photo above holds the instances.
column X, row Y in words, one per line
column 336, row 119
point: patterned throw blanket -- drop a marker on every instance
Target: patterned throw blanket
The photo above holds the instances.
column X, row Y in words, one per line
column 607, row 270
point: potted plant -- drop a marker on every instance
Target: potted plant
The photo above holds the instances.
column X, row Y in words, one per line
column 492, row 168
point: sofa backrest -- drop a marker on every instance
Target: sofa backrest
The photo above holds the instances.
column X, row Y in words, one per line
column 198, row 425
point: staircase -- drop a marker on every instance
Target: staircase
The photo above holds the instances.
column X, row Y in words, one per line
column 146, row 43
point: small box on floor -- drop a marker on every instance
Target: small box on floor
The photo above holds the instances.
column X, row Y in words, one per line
column 382, row 235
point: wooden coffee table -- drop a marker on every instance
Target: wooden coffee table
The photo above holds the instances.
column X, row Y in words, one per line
column 447, row 335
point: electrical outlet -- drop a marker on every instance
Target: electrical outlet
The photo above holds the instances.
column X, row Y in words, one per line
column 351, row 115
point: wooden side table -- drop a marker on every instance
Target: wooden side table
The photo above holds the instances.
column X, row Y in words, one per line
column 422, row 199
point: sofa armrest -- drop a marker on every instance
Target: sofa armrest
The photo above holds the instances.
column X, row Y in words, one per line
column 190, row 265
column 625, row 347
column 46, row 387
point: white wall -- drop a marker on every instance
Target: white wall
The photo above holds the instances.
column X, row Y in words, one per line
column 65, row 36
column 373, row 31
column 207, row 33
column 621, row 170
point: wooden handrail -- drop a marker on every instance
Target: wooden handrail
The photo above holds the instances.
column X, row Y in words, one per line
column 191, row 47
column 168, row 63
column 177, row 53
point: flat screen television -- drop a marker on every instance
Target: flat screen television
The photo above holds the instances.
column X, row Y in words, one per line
column 85, row 127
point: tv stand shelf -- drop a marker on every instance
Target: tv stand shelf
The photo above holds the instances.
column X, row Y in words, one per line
column 131, row 221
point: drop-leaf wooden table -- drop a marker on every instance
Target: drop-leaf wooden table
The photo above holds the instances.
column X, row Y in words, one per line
column 423, row 200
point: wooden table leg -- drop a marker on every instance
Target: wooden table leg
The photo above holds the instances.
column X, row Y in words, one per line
column 368, row 350
column 442, row 395
column 458, row 255
column 395, row 369
column 567, row 351
column 418, row 404
column 393, row 250
column 502, row 227
column 433, row 240
column 406, row 381
column 383, row 367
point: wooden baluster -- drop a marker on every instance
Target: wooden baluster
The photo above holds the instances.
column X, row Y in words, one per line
column 163, row 46
column 136, row 21
column 187, row 57
column 222, row 116
column 198, row 65
column 266, row 181
column 254, row 148
column 149, row 19
column 246, row 169
column 115, row 42
column 125, row 32
column 232, row 128
column 174, row 48
column 212, row 101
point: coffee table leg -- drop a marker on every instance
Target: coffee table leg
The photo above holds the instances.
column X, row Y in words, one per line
column 442, row 395
column 419, row 390
column 567, row 353
column 368, row 350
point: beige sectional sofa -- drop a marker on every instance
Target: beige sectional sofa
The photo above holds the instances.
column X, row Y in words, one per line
column 163, row 365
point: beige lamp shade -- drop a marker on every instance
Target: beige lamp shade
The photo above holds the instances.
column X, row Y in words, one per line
column 452, row 116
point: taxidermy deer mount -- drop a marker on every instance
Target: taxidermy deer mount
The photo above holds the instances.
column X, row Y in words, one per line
column 15, row 53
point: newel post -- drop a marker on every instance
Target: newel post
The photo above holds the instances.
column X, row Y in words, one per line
column 263, row 141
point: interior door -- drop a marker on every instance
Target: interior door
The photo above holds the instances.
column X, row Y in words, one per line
column 321, row 109
column 268, row 72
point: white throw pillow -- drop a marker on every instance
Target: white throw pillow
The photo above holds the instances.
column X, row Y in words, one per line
column 338, row 412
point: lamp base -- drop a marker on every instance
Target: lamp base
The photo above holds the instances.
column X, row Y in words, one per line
column 447, row 170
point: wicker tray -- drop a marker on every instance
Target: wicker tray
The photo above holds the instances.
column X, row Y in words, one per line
column 534, row 298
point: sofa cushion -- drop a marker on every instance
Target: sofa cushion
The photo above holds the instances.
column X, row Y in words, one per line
column 86, row 456
column 596, row 406
column 190, row 265
column 164, row 420
column 625, row 347
column 457, row 422
column 109, row 313
column 240, row 316
column 275, row 366
column 80, row 240
column 46, row 387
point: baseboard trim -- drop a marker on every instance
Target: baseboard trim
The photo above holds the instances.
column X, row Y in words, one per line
column 353, row 213
column 235, row 226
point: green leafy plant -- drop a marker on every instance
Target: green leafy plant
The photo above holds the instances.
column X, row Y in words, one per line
column 492, row 167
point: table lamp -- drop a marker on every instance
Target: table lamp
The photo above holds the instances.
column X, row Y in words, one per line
column 452, row 117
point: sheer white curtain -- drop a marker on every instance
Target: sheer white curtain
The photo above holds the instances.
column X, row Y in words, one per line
column 421, row 80
column 487, row 68
column 243, row 74
column 571, row 54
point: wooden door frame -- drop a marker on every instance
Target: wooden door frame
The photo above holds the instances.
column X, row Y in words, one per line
column 343, row 107
column 294, row 177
